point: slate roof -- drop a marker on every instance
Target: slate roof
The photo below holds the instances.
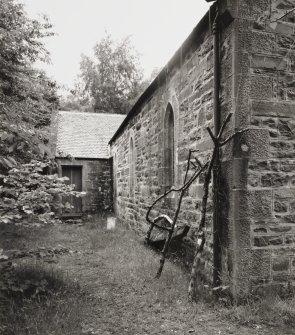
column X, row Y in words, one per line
column 85, row 135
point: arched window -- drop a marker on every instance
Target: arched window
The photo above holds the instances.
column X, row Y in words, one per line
column 169, row 148
column 115, row 182
column 131, row 166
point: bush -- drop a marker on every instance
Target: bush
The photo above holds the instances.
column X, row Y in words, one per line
column 31, row 195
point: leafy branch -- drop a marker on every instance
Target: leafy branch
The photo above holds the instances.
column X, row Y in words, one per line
column 28, row 192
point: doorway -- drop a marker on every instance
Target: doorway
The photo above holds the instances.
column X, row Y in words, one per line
column 74, row 173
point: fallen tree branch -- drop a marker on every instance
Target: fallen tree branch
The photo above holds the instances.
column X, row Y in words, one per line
column 171, row 223
column 199, row 168
column 201, row 236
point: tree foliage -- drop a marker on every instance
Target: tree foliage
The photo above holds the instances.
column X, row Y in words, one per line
column 27, row 95
column 77, row 99
column 28, row 191
column 112, row 77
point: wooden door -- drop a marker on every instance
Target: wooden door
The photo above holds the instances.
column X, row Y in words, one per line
column 74, row 173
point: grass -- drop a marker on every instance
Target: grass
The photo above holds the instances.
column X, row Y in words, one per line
column 56, row 308
column 59, row 314
column 270, row 310
column 119, row 259
column 62, row 308
column 132, row 260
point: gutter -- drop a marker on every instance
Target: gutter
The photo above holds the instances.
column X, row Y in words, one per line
column 220, row 21
column 194, row 37
column 216, row 167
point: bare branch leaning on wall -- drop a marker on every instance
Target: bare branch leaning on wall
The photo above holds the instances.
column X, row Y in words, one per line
column 169, row 224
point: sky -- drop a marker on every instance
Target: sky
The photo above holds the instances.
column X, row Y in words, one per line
column 156, row 27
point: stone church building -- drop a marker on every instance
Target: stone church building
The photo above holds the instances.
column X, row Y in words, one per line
column 245, row 65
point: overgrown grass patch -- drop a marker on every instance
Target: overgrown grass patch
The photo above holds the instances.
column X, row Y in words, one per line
column 116, row 271
column 43, row 302
column 131, row 260
column 270, row 310
column 19, row 237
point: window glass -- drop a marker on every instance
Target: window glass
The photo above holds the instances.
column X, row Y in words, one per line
column 169, row 148
column 131, row 165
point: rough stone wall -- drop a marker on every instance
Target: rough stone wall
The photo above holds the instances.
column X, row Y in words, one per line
column 188, row 87
column 257, row 209
column 260, row 247
column 96, row 182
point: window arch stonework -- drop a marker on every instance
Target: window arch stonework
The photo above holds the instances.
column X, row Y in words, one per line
column 132, row 162
column 115, row 181
column 169, row 148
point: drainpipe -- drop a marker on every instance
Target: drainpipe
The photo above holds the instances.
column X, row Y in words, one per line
column 216, row 167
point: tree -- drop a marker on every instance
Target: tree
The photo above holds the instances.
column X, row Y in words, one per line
column 30, row 194
column 27, row 95
column 112, row 78
column 28, row 188
column 76, row 99
column 144, row 84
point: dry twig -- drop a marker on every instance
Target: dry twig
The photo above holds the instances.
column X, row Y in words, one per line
column 171, row 223
column 201, row 236
column 170, row 226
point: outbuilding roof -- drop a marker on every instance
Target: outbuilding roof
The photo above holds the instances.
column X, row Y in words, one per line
column 85, row 135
